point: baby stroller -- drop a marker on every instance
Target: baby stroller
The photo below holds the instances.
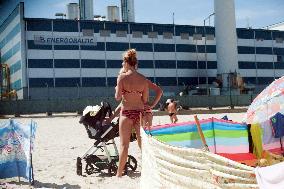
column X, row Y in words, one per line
column 103, row 135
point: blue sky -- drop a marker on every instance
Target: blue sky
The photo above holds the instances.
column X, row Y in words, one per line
column 253, row 13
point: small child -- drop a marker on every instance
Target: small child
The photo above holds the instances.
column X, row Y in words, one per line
column 172, row 110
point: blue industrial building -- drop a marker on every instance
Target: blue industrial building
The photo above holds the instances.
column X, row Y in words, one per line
column 59, row 58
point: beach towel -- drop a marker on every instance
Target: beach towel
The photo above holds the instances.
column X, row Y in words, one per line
column 16, row 146
column 270, row 177
column 269, row 142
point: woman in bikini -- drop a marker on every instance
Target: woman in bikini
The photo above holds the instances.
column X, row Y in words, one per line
column 148, row 114
column 132, row 90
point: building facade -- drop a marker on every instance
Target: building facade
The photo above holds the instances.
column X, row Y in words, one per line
column 57, row 58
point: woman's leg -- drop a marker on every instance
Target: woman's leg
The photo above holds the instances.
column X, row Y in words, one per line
column 138, row 135
column 125, row 127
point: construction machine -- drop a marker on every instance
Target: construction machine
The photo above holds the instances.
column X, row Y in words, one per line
column 5, row 83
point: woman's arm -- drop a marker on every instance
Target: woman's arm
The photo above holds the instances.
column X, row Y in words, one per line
column 158, row 91
column 145, row 94
column 116, row 112
column 118, row 89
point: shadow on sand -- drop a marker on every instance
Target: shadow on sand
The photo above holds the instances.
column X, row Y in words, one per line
column 130, row 174
column 38, row 184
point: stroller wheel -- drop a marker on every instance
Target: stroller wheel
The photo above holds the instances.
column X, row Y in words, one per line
column 89, row 169
column 131, row 163
column 79, row 166
column 112, row 168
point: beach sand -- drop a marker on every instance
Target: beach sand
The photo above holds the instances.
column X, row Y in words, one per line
column 61, row 139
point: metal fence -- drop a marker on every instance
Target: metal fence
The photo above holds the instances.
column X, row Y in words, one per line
column 18, row 107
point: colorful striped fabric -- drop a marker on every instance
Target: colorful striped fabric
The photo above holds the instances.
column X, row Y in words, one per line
column 222, row 136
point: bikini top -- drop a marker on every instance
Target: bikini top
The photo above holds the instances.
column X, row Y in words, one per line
column 131, row 92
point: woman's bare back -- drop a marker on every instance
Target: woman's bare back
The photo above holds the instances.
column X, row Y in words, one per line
column 134, row 90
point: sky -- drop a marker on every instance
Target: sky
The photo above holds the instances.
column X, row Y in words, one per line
column 249, row 13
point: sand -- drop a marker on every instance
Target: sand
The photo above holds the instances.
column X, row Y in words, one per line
column 60, row 139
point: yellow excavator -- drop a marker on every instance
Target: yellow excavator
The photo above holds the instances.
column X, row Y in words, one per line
column 5, row 83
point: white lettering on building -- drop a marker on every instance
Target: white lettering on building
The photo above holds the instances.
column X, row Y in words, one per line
column 54, row 40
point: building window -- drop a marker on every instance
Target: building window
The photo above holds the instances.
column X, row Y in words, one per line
column 161, row 47
column 264, row 65
column 142, row 46
column 187, row 81
column 112, row 46
column 105, row 33
column 279, row 58
column 41, row 82
column 67, row 82
column 113, row 27
column 39, row 25
column 245, row 33
column 165, row 64
column 247, row 65
column 278, row 51
column 114, row 63
column 111, row 81
column 265, row 80
column 279, row 40
column 279, row 65
column 152, row 34
column 66, row 63
column 262, row 35
column 146, row 64
column 259, row 39
column 40, row 63
column 88, row 32
column 263, row 50
column 89, row 63
column 144, row 28
column 186, row 64
column 211, row 64
column 211, row 48
column 246, row 50
column 166, row 81
column 209, row 37
column 197, row 36
column 121, row 33
column 167, row 35
column 65, row 26
column 137, row 34
column 185, row 48
column 184, row 36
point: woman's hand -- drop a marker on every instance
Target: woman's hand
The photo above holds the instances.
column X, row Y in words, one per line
column 149, row 106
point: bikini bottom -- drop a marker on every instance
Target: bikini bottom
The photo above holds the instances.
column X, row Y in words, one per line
column 134, row 115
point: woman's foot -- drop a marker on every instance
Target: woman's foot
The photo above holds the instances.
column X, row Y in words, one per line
column 118, row 176
column 124, row 172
